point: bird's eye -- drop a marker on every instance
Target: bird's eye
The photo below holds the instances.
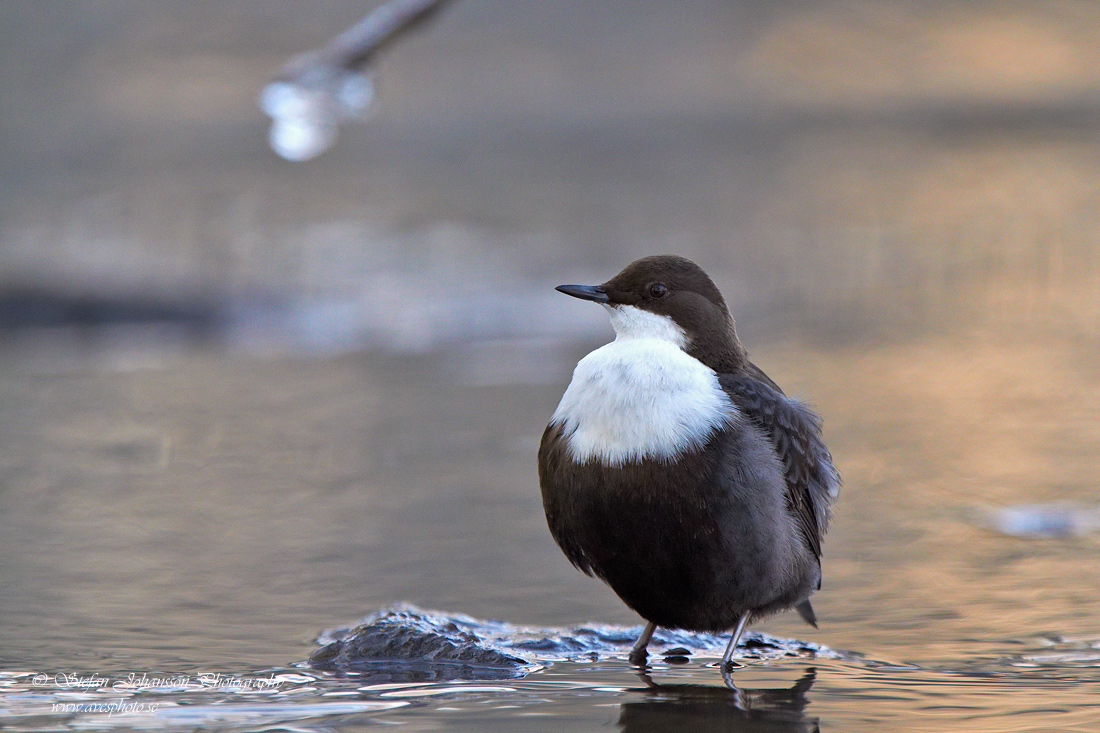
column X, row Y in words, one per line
column 657, row 290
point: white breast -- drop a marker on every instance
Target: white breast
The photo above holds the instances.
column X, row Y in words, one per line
column 640, row 397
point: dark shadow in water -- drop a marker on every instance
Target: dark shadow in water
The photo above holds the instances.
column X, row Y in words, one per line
column 29, row 307
column 706, row 707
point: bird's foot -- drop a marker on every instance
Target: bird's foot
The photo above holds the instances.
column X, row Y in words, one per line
column 638, row 654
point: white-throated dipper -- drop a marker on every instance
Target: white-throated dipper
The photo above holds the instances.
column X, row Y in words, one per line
column 676, row 471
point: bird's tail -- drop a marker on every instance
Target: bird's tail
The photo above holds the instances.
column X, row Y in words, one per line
column 806, row 611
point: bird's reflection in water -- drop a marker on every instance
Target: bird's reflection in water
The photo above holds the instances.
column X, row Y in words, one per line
column 710, row 708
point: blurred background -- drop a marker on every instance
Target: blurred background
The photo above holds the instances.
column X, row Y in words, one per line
column 242, row 399
column 856, row 166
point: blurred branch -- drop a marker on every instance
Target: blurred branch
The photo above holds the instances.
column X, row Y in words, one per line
column 317, row 90
column 355, row 47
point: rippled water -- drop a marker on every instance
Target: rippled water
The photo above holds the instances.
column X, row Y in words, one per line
column 209, row 516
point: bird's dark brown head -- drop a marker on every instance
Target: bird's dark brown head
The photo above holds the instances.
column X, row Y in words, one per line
column 676, row 288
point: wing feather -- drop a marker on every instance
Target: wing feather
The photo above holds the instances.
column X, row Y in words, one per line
column 795, row 431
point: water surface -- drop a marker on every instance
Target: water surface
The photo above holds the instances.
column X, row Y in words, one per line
column 210, row 515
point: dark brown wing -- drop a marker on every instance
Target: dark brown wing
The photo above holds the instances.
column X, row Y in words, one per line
column 795, row 431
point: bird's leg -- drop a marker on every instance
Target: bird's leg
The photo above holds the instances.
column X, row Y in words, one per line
column 728, row 656
column 638, row 654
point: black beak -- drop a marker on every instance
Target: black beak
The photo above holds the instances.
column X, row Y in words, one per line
column 584, row 292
